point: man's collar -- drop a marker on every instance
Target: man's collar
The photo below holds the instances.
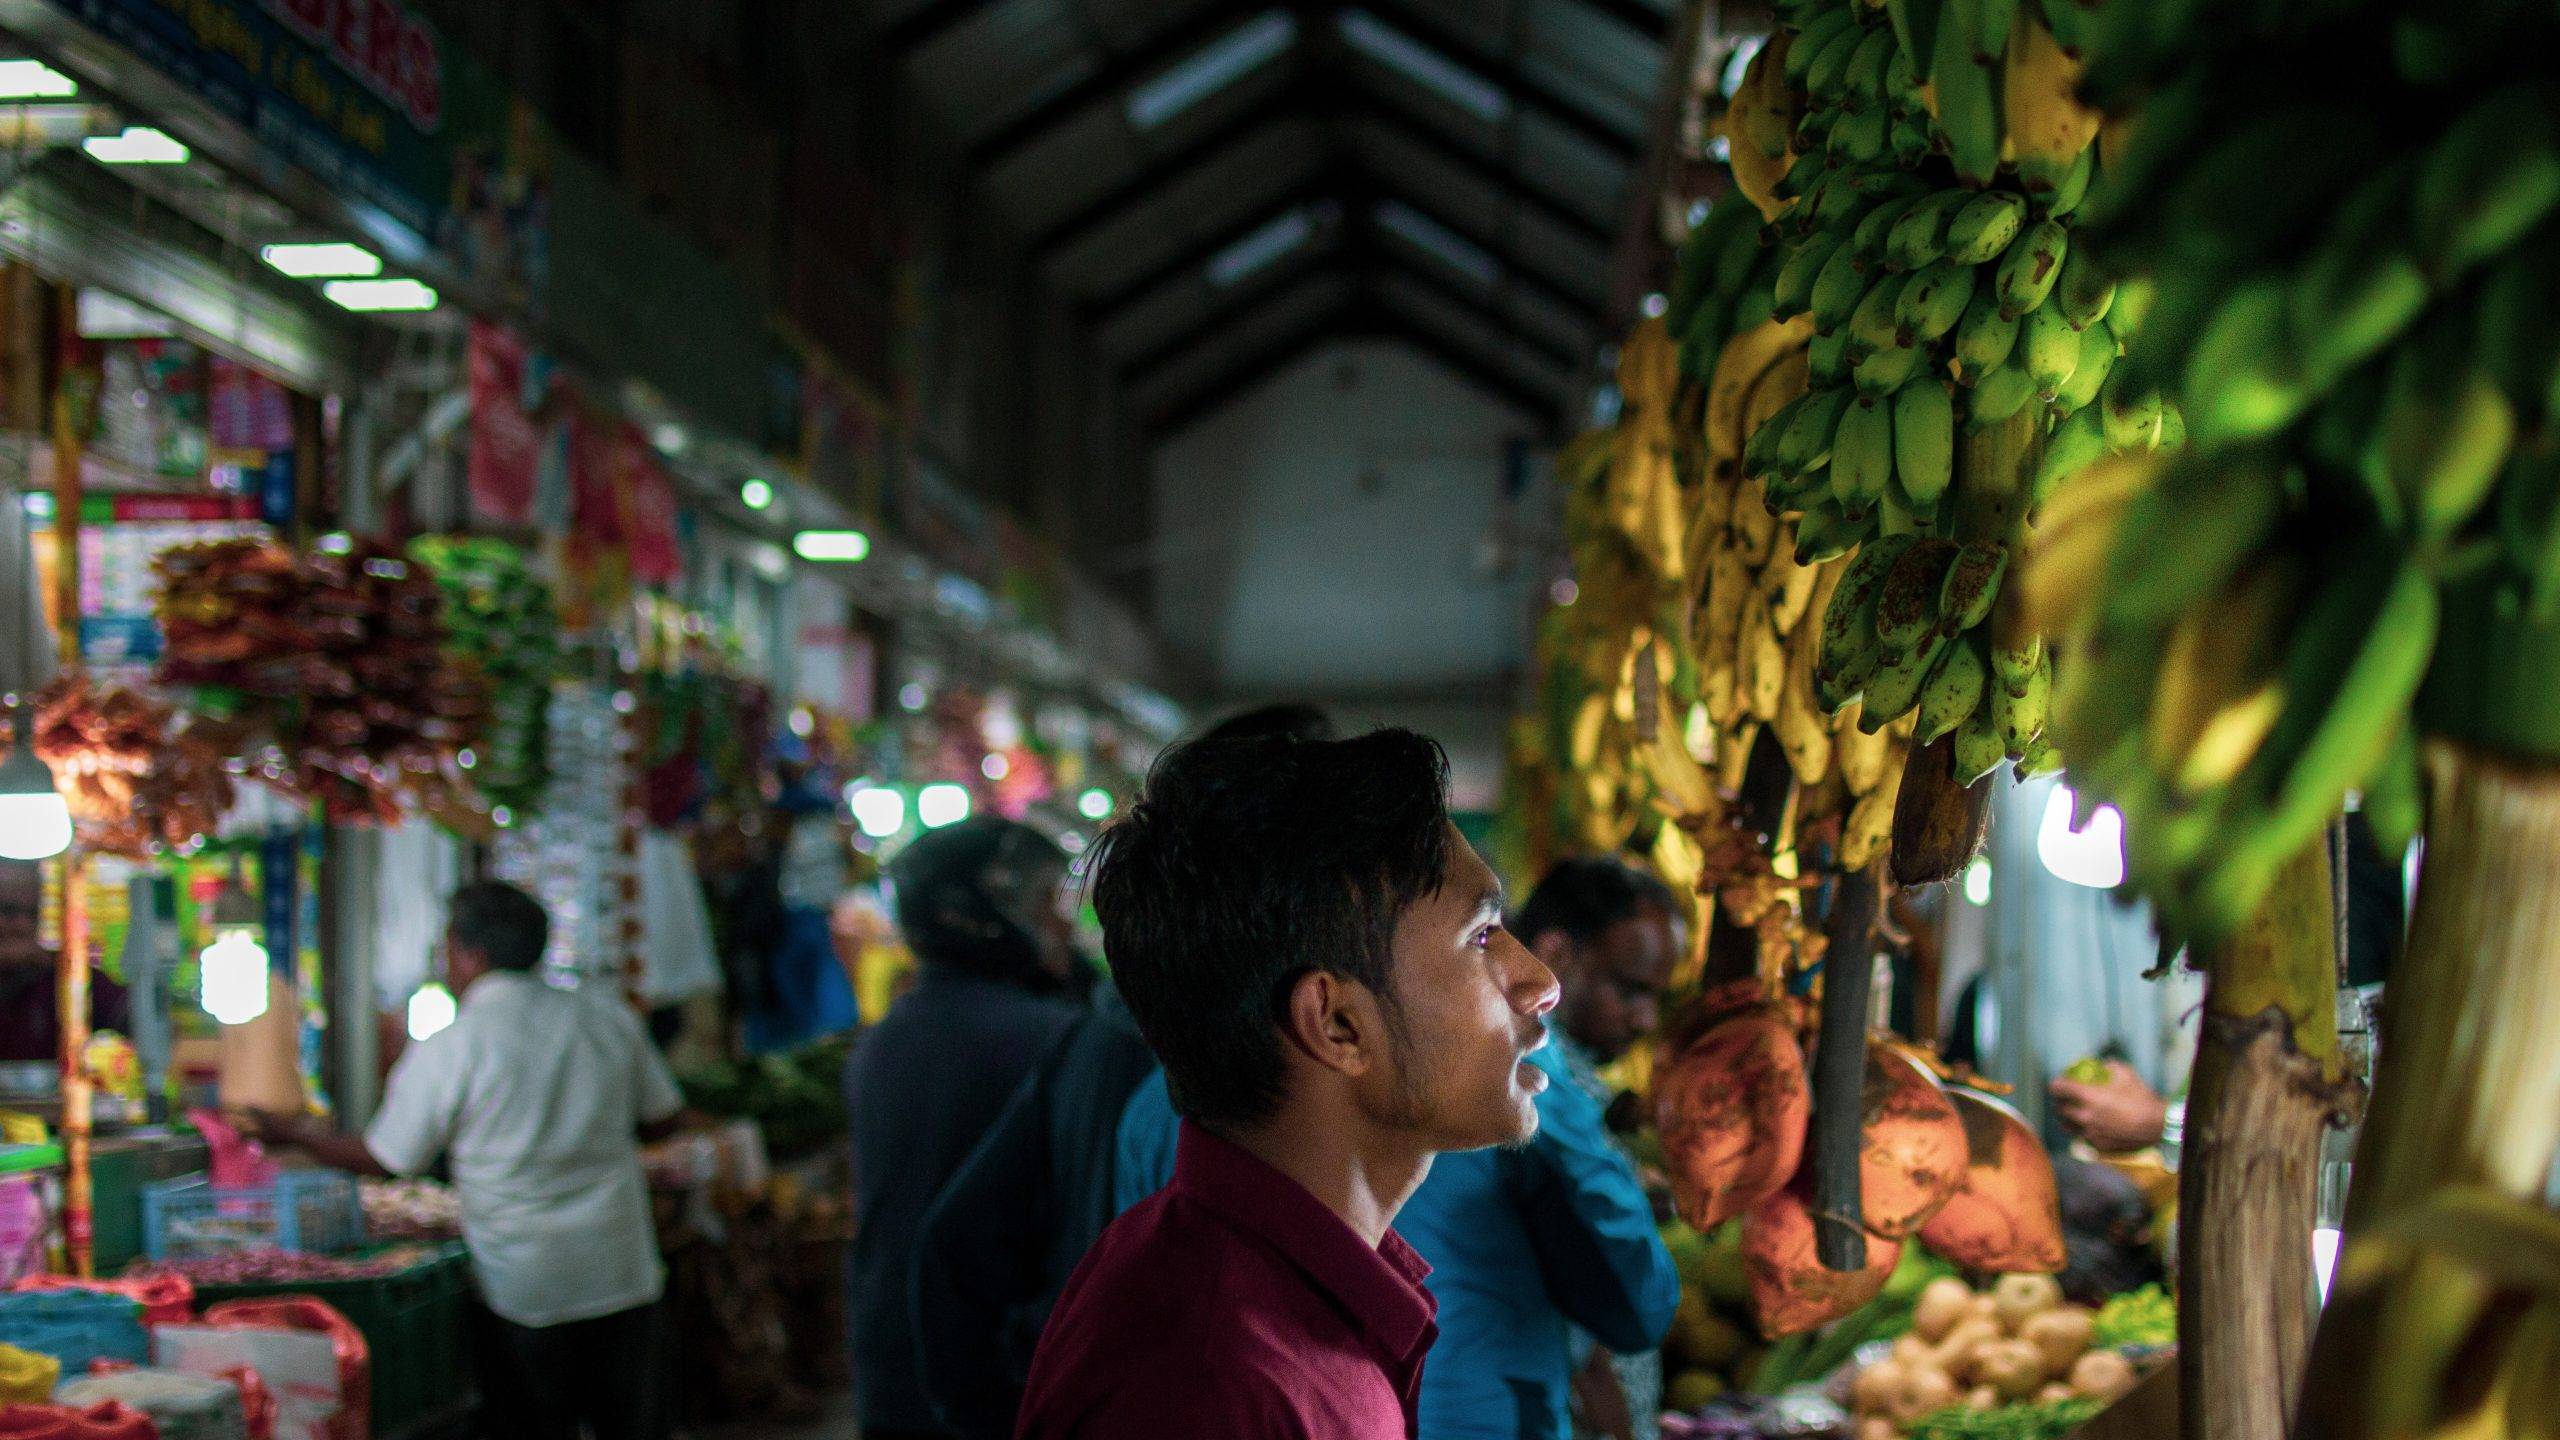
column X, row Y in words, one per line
column 1380, row 1288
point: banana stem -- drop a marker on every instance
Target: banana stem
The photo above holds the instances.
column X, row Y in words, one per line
column 1840, row 1070
column 2267, row 1081
column 2467, row 1094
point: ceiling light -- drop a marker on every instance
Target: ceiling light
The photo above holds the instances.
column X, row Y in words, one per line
column 756, row 494
column 2094, row 856
column 1977, row 881
column 35, row 824
column 1212, row 68
column 1438, row 240
column 879, row 810
column 1258, row 250
column 940, row 805
column 431, row 1010
column 366, row 296
column 844, row 546
column 34, row 80
column 1094, row 804
column 135, row 145
column 1424, row 66
column 322, row 260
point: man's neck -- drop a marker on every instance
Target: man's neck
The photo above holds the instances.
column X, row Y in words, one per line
column 1352, row 1171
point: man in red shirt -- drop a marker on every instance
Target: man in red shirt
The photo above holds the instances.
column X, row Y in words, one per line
column 1318, row 958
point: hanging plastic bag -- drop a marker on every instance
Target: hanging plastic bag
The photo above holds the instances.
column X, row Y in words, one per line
column 238, row 1163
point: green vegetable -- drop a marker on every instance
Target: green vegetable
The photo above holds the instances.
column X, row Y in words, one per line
column 2048, row 1421
column 2137, row 1317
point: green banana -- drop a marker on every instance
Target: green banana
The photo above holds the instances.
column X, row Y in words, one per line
column 1907, row 605
column 1804, row 176
column 2020, row 714
column 2049, row 348
column 1806, row 446
column 1862, row 456
column 1993, row 20
column 1977, row 751
column 1984, row 226
column 2491, row 178
column 1985, row 338
column 2002, row 393
column 2014, row 667
column 2445, row 437
column 1953, row 690
column 1886, row 371
column 1924, row 440
column 1869, row 238
column 2128, row 422
column 2073, row 188
column 1827, row 77
column 1968, row 94
column 1871, row 326
column 1912, row 143
column 1915, row 25
column 1823, row 534
column 1863, row 87
column 1894, row 688
column 2098, row 347
column 1821, row 29
column 2519, row 320
column 1792, row 293
column 1760, row 451
column 1848, row 649
column 1902, row 515
column 1863, row 137
column 2031, row 265
column 2394, row 796
column 2181, row 540
column 1971, row 586
column 2077, row 443
column 1919, row 238
column 1827, row 358
column 1837, row 289
column 1933, row 302
column 2084, row 293
column 2363, row 286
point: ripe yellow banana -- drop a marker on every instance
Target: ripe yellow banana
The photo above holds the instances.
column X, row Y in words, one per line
column 2047, row 126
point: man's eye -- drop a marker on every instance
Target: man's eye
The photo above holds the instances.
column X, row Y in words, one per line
column 1484, row 937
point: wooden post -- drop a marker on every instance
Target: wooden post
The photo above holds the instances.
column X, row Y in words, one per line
column 2268, row 1079
column 2467, row 1095
column 71, row 970
column 1840, row 1069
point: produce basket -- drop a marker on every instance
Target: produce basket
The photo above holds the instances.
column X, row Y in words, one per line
column 412, row 1319
column 309, row 1210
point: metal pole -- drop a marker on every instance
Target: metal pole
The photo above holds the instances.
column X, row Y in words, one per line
column 72, row 963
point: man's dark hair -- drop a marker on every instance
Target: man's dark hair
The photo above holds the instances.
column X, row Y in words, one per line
column 1247, row 864
column 1289, row 720
column 507, row 926
column 965, row 896
column 1583, row 897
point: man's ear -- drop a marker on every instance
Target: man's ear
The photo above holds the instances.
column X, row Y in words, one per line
column 1334, row 1022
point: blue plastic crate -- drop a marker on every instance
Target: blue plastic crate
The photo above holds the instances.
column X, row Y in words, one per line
column 307, row 1210
column 75, row 1327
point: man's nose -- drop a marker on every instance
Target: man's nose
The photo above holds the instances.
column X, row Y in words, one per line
column 1536, row 991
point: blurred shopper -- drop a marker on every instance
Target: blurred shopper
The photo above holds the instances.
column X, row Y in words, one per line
column 1011, row 1227
column 978, row 903
column 537, row 1098
column 1318, row 958
column 30, row 1020
column 1536, row 1251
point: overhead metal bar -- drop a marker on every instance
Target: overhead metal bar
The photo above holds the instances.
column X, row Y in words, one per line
column 927, row 23
column 1417, row 271
column 1274, row 287
column 1514, row 271
column 1398, row 117
column 1636, row 15
column 1114, row 78
column 1228, row 381
column 1533, row 402
column 1530, row 94
column 1210, row 145
column 1191, row 258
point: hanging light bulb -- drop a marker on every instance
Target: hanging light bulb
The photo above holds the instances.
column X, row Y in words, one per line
column 234, row 968
column 35, row 824
column 431, row 1010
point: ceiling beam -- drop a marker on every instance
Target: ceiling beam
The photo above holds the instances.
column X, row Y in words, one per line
column 1636, row 15
column 1515, row 271
column 1154, row 175
column 1537, row 403
column 1231, row 380
column 927, row 23
column 1525, row 92
column 1234, row 308
column 1103, row 308
column 1428, row 277
column 1396, row 117
column 1117, row 74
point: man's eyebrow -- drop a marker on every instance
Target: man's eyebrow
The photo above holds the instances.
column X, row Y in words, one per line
column 1492, row 899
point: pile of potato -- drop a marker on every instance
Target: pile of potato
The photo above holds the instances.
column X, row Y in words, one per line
column 2017, row 1344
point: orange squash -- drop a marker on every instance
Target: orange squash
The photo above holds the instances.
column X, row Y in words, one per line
column 2006, row 1218
column 1912, row 1152
column 1731, row 1111
column 1791, row 1289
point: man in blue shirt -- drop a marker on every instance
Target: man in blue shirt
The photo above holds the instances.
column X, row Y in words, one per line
column 1531, row 1248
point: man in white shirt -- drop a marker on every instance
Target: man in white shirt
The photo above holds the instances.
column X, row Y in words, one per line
column 537, row 1097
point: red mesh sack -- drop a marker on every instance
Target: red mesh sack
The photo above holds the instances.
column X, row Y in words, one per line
column 257, row 1402
column 166, row 1297
column 106, row 1420
column 305, row 1312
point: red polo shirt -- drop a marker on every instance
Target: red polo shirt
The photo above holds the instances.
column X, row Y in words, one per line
column 1232, row 1304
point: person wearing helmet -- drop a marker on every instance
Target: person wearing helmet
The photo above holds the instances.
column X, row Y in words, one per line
column 978, row 903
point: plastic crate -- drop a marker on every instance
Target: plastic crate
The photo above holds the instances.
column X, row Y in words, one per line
column 307, row 1210
column 413, row 1321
